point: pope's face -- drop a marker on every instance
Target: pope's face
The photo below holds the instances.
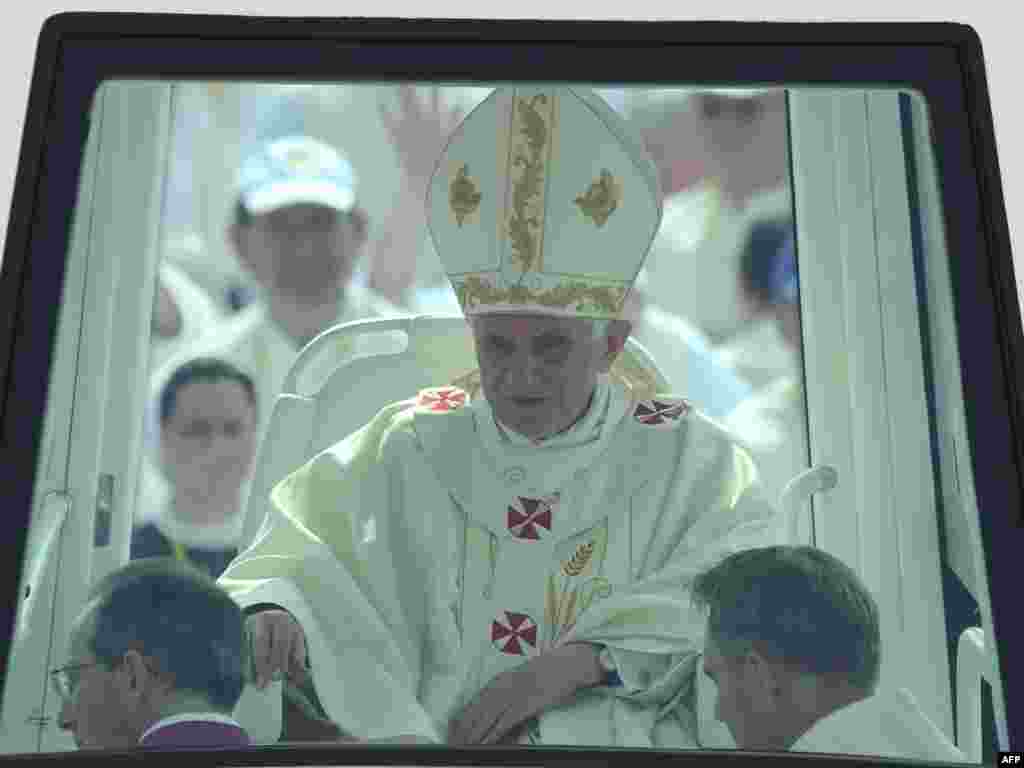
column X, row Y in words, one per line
column 538, row 373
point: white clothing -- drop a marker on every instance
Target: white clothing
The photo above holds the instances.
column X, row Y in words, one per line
column 693, row 264
column 432, row 550
column 759, row 353
column 889, row 724
column 692, row 368
column 212, row 266
column 198, row 311
column 224, row 535
column 771, row 424
column 255, row 344
column 189, row 717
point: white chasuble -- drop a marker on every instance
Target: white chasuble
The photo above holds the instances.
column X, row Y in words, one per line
column 431, row 551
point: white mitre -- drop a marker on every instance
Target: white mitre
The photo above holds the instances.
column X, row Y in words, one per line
column 543, row 202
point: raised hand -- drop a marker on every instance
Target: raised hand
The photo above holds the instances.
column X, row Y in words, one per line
column 419, row 130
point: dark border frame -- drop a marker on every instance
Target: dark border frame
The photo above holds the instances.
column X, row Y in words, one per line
column 941, row 61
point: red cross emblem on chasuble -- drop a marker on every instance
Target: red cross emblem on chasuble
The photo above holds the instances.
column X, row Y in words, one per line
column 527, row 517
column 442, row 399
column 661, row 413
column 514, row 634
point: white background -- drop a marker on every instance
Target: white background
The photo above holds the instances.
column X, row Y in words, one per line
column 996, row 22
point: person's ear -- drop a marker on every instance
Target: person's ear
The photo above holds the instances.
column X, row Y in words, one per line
column 133, row 675
column 767, row 681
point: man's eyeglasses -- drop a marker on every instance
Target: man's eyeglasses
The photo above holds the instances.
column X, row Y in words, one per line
column 65, row 679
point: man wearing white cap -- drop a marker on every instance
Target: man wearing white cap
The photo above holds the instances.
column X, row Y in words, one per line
column 514, row 568
column 298, row 229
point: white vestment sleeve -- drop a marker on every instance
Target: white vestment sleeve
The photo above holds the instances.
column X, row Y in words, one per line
column 326, row 558
column 651, row 628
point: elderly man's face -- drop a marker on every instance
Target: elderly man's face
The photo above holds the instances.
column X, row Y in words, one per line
column 538, row 373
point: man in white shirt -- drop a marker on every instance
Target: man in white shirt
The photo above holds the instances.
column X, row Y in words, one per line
column 793, row 645
column 159, row 658
column 513, row 567
column 723, row 156
column 298, row 230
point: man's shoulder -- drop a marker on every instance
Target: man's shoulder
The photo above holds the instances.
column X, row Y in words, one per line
column 672, row 414
column 398, row 427
column 886, row 724
column 666, row 427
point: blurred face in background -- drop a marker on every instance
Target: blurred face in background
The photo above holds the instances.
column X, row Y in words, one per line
column 301, row 254
column 741, row 142
column 209, row 443
column 745, row 141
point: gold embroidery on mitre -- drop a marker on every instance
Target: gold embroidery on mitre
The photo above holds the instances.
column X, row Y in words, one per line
column 529, row 152
column 598, row 300
column 463, row 195
column 601, row 198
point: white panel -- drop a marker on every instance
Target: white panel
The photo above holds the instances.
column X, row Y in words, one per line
column 27, row 678
column 946, row 358
column 814, row 138
column 147, row 106
column 912, row 502
column 865, row 385
column 964, row 545
column 869, row 403
column 119, row 217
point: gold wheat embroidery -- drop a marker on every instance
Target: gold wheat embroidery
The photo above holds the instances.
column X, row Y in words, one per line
column 575, row 566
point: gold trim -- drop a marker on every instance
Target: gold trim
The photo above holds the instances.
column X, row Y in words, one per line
column 601, row 199
column 463, row 195
column 575, row 565
column 529, row 154
column 603, row 299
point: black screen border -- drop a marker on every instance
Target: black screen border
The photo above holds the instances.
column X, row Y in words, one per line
column 943, row 62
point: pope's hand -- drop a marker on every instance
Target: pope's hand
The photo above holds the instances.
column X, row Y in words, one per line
column 278, row 646
column 515, row 696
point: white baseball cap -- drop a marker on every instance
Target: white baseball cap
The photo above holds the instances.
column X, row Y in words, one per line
column 295, row 170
